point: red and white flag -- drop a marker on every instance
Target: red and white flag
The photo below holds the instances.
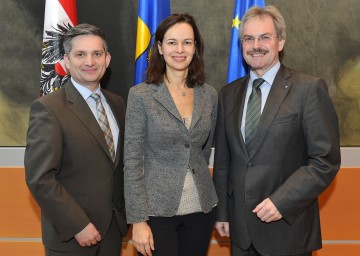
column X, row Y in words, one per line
column 60, row 16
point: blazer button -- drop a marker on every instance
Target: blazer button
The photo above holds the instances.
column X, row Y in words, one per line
column 187, row 145
column 249, row 165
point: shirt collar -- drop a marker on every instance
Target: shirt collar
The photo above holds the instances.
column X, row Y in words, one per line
column 85, row 92
column 269, row 76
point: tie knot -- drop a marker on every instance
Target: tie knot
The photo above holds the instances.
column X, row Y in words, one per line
column 95, row 96
column 258, row 82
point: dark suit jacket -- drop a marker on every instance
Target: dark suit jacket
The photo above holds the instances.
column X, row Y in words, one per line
column 296, row 155
column 68, row 167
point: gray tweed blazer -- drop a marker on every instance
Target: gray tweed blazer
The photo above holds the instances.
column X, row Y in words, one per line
column 159, row 148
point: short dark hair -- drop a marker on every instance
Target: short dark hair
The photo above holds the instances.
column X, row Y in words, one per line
column 157, row 65
column 82, row 29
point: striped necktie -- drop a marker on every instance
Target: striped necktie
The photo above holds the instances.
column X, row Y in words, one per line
column 104, row 124
column 253, row 113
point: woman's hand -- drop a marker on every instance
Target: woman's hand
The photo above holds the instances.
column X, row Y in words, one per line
column 143, row 238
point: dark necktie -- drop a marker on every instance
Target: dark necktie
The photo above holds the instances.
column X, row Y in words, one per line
column 253, row 113
column 104, row 124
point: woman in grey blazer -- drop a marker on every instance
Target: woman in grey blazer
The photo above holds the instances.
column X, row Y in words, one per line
column 170, row 123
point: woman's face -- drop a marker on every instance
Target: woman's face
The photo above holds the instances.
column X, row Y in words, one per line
column 178, row 47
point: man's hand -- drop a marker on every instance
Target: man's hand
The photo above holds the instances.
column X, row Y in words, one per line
column 223, row 228
column 267, row 211
column 143, row 238
column 88, row 236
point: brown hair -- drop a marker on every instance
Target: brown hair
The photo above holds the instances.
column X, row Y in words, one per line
column 157, row 66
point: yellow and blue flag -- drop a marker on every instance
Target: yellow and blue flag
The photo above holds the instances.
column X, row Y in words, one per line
column 150, row 14
column 236, row 66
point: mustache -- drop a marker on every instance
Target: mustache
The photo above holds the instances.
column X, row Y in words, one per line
column 257, row 50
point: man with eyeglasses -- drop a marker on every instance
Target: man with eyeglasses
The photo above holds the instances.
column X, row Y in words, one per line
column 277, row 147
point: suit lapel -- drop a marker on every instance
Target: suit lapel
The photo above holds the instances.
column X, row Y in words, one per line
column 239, row 101
column 162, row 95
column 82, row 111
column 279, row 89
column 199, row 104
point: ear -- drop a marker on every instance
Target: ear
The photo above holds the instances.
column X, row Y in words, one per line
column 281, row 45
column 66, row 61
column 159, row 48
column 108, row 58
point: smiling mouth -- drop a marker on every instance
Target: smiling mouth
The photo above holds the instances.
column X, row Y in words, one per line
column 257, row 54
column 179, row 58
column 89, row 70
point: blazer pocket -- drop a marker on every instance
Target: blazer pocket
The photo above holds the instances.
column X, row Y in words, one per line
column 230, row 189
column 286, row 119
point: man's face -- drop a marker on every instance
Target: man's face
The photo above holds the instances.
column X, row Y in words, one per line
column 261, row 46
column 87, row 61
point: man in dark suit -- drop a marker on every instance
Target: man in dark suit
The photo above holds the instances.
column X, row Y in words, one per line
column 269, row 171
column 73, row 157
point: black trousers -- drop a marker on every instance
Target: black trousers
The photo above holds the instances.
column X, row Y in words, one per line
column 110, row 245
column 186, row 235
column 237, row 251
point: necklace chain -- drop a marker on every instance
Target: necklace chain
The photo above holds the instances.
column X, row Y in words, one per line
column 183, row 93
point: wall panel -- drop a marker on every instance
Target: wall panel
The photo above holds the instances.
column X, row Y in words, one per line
column 20, row 232
column 20, row 215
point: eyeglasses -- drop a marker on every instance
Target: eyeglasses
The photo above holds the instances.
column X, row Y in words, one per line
column 263, row 39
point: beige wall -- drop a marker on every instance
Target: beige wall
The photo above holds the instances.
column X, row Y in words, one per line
column 20, row 232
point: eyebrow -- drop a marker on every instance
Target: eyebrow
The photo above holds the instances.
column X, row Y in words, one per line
column 264, row 34
column 186, row 39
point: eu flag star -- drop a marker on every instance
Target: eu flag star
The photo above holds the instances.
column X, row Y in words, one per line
column 236, row 22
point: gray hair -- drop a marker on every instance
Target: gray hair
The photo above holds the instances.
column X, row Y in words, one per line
column 269, row 10
column 82, row 29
